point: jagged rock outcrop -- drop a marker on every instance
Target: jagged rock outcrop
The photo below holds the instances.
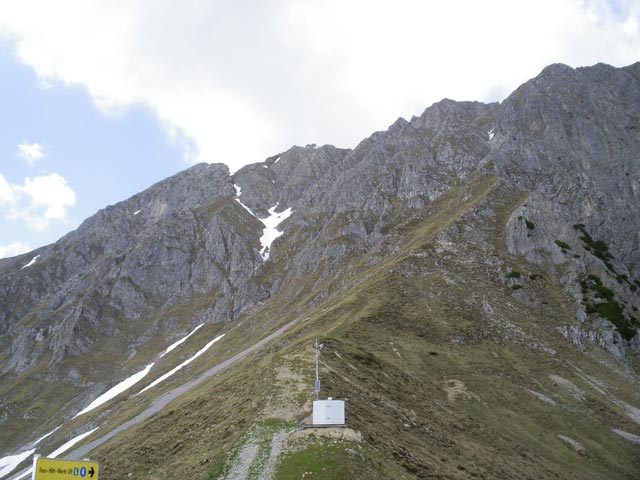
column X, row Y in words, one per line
column 563, row 148
column 123, row 270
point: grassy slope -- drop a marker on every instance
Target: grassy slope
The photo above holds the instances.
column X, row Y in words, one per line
column 437, row 386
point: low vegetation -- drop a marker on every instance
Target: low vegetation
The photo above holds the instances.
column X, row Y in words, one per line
column 565, row 247
column 597, row 247
column 604, row 303
column 438, row 388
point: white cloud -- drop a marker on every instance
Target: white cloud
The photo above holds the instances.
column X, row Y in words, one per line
column 13, row 249
column 30, row 152
column 39, row 201
column 6, row 192
column 245, row 80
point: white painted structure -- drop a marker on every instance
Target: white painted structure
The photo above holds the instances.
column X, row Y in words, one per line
column 328, row 412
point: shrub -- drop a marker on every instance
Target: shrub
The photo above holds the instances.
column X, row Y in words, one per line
column 599, row 248
column 530, row 225
column 613, row 312
column 513, row 274
column 621, row 279
column 608, row 307
column 564, row 246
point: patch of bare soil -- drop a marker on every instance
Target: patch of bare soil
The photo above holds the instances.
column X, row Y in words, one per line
column 455, row 388
column 284, row 402
column 339, row 433
column 243, row 461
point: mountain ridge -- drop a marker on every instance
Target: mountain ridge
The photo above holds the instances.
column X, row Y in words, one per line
column 554, row 167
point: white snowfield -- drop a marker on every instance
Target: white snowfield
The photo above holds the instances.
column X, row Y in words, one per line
column 9, row 464
column 59, row 451
column 183, row 364
column 238, row 193
column 117, row 390
column 46, row 435
column 133, row 379
column 181, row 341
column 63, row 448
column 270, row 232
column 33, row 260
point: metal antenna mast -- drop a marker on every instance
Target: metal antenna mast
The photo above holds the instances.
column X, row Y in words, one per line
column 317, row 384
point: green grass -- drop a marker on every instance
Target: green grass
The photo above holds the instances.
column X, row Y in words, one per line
column 397, row 333
column 328, row 460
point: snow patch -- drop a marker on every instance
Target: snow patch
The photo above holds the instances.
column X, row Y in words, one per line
column 118, row 389
column 276, row 160
column 238, row 193
column 33, row 260
column 246, row 208
column 181, row 341
column 8, row 464
column 183, row 364
column 491, row 133
column 60, row 450
column 137, row 212
column 271, row 232
column 46, row 435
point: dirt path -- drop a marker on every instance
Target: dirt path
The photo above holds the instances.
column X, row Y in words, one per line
column 278, row 444
column 163, row 400
column 253, row 461
column 244, row 460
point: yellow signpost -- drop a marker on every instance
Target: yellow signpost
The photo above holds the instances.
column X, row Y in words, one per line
column 55, row 469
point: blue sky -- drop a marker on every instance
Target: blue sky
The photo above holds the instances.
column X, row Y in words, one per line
column 103, row 158
column 101, row 99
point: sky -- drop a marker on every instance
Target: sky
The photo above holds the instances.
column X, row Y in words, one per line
column 100, row 99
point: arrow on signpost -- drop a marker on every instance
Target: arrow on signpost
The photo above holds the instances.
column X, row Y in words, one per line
column 91, row 472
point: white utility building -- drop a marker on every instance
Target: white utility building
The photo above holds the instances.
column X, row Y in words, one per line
column 328, row 412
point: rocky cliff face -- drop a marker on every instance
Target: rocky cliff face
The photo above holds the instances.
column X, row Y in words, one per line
column 119, row 274
column 562, row 150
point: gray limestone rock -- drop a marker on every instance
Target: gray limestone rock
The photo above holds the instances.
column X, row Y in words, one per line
column 564, row 147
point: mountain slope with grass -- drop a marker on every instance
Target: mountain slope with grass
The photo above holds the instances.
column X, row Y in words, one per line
column 472, row 273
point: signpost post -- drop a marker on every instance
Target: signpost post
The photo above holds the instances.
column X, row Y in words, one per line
column 56, row 469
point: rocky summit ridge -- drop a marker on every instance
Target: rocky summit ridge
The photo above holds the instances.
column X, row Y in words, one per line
column 524, row 210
